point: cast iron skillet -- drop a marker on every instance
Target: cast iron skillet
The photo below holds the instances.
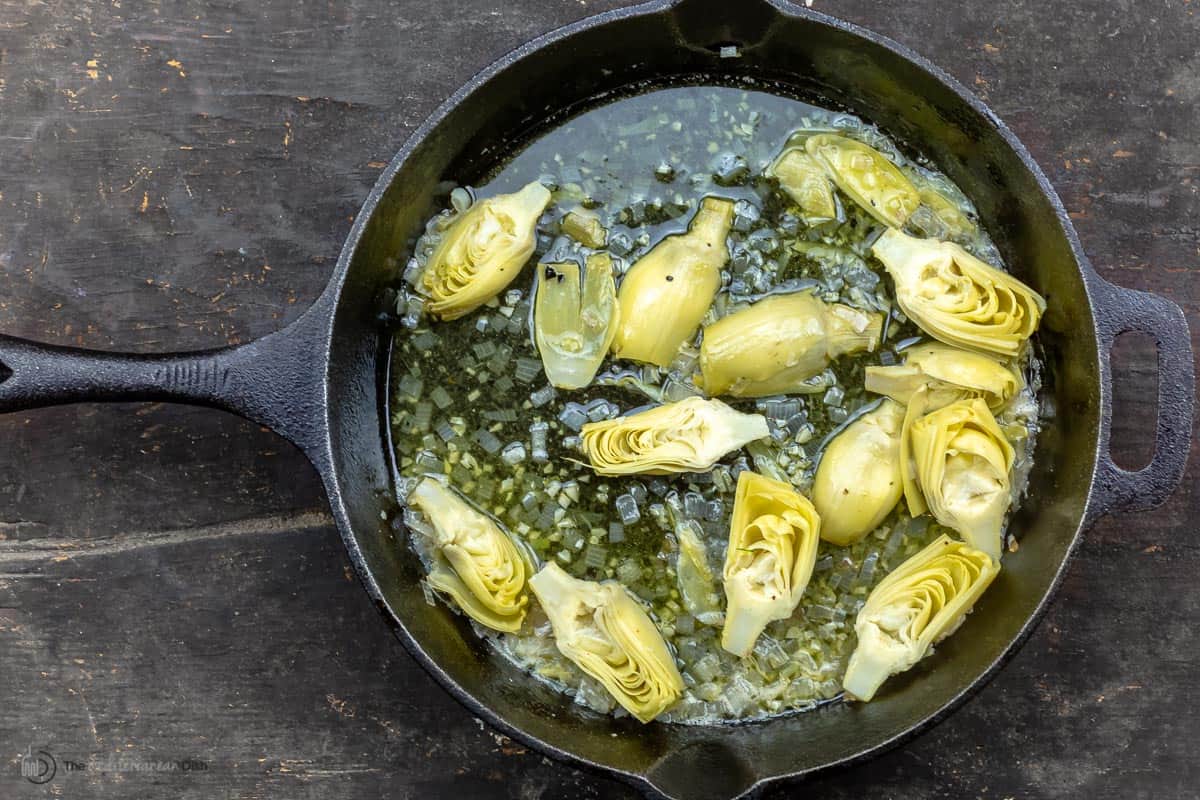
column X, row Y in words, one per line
column 321, row 382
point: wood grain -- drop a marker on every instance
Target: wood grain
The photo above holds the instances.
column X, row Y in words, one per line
column 180, row 175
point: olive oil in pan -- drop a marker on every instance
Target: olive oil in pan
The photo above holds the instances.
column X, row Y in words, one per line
column 470, row 399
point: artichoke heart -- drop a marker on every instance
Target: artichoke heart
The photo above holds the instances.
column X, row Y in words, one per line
column 775, row 345
column 961, row 463
column 858, row 481
column 668, row 291
column 773, row 540
column 806, row 182
column 483, row 251
column 957, row 298
column 608, row 634
column 690, row 435
column 922, row 601
column 947, row 374
column 574, row 327
column 867, row 177
column 477, row 564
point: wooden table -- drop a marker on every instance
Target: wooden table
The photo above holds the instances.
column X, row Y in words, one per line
column 181, row 175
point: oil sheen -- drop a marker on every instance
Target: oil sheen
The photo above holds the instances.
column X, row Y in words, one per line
column 470, row 400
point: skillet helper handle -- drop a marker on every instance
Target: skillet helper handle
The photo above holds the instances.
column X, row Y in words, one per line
column 702, row 770
column 1121, row 310
column 275, row 381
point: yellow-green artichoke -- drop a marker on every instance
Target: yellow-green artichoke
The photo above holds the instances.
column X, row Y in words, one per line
column 806, row 182
column 690, row 435
column 483, row 251
column 476, row 563
column 948, row 374
column 575, row 325
column 922, row 601
column 957, row 298
column 608, row 634
column 775, row 345
column 773, row 539
column 668, row 291
column 866, row 176
column 858, row 481
column 960, row 466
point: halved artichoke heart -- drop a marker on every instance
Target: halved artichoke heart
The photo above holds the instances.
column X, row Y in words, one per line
column 483, row 251
column 666, row 293
column 477, row 564
column 922, row 601
column 773, row 538
column 867, row 177
column 961, row 463
column 957, row 298
column 947, row 373
column 858, row 481
column 574, row 326
column 690, row 435
column 775, row 345
column 608, row 634
column 806, row 182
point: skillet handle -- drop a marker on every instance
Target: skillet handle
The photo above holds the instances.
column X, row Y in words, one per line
column 1120, row 310
column 276, row 381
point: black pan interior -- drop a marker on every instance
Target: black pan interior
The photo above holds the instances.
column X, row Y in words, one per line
column 828, row 64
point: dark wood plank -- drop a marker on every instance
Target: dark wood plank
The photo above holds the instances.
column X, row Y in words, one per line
column 180, row 175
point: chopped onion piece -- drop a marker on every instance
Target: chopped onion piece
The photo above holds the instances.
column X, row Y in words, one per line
column 627, row 507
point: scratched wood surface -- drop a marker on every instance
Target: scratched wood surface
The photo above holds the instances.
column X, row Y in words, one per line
column 179, row 175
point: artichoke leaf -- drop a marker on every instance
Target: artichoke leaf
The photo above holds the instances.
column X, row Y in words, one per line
column 773, row 539
column 806, row 182
column 573, row 325
column 477, row 564
column 693, row 573
column 690, row 435
column 919, row 404
column 584, row 226
column 867, row 177
column 777, row 344
column 954, row 223
column 667, row 292
column 609, row 636
column 483, row 251
column 957, row 298
column 943, row 216
column 948, row 374
column 922, row 601
column 962, row 462
column 858, row 481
